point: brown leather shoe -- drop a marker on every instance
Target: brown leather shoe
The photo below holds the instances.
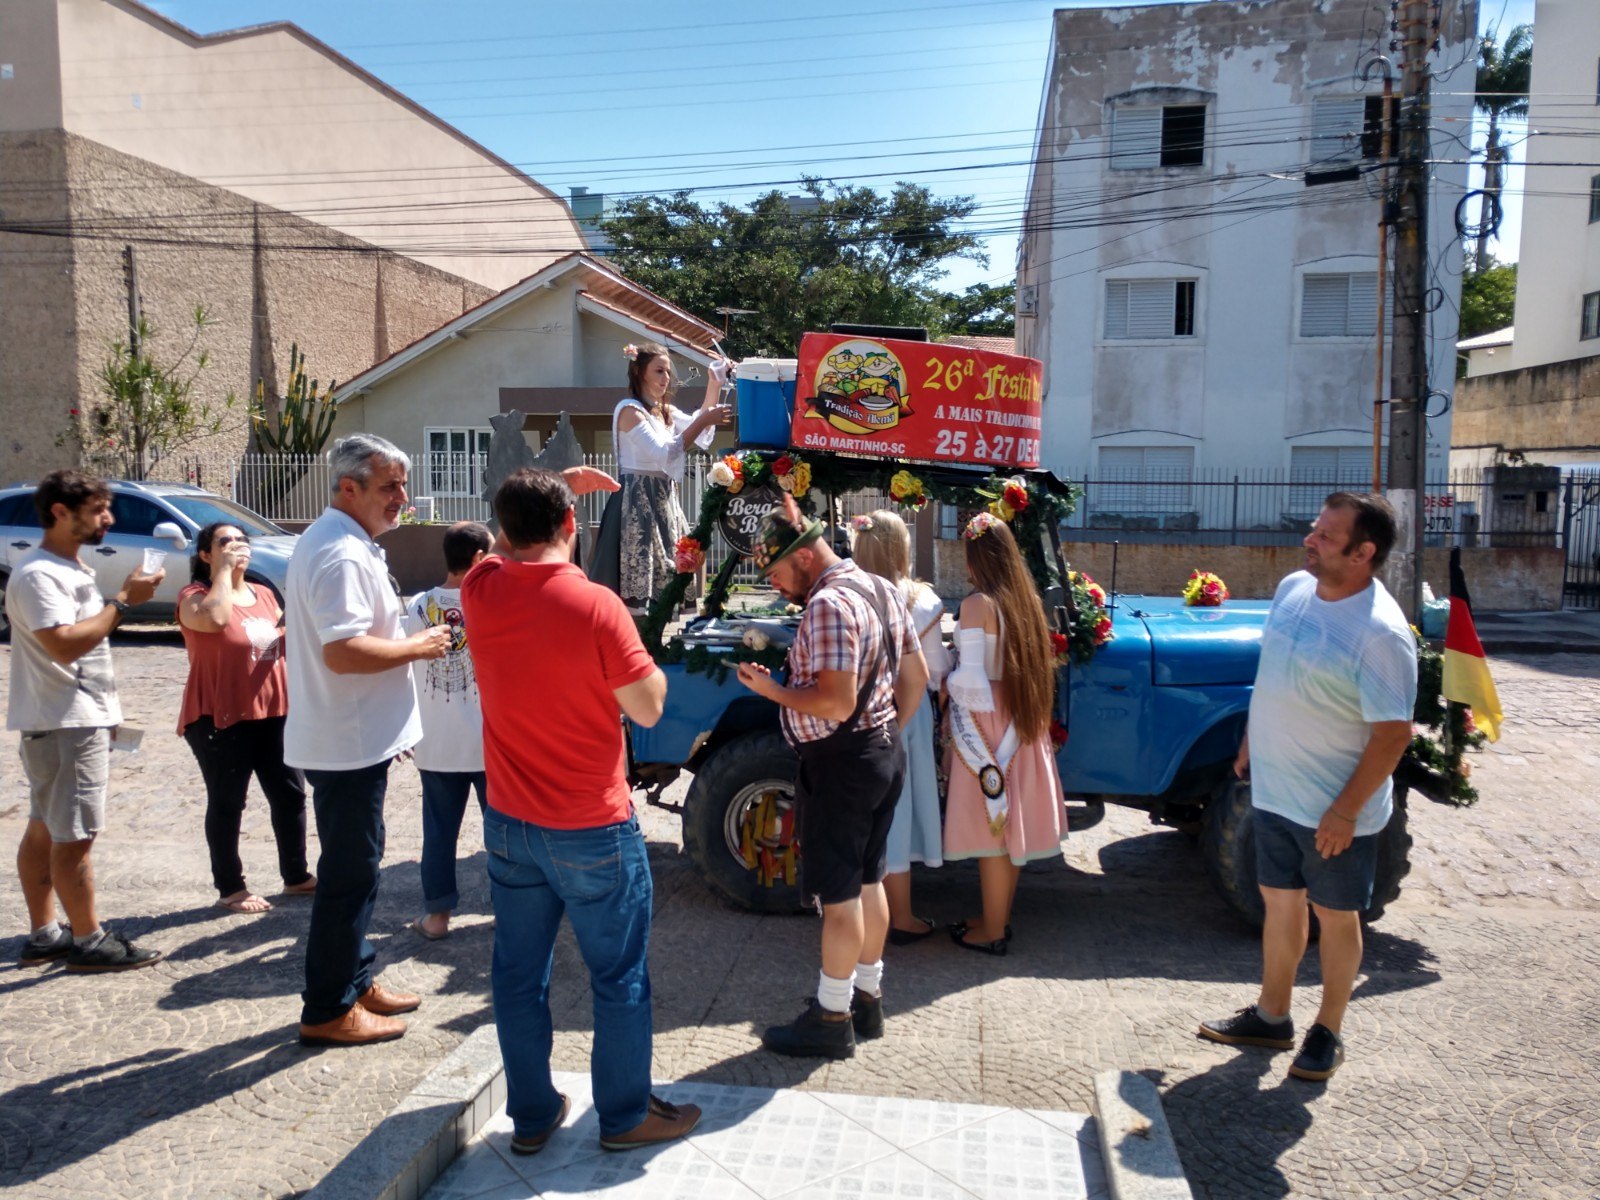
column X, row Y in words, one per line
column 663, row 1122
column 379, row 999
column 358, row 1027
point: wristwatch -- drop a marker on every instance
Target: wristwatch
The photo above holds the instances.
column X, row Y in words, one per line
column 122, row 607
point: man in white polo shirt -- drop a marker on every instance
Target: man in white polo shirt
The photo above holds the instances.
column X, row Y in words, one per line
column 352, row 710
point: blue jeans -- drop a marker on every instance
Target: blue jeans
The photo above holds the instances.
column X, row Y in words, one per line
column 601, row 879
column 349, row 811
column 444, row 803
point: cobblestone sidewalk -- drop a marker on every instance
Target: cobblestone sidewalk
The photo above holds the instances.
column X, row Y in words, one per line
column 1471, row 1039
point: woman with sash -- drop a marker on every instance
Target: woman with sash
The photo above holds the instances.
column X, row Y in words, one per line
column 883, row 547
column 635, row 550
column 1004, row 803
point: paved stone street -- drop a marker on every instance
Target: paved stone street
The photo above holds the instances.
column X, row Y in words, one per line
column 1471, row 1040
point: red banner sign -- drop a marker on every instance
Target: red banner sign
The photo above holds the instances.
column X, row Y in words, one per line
column 920, row 400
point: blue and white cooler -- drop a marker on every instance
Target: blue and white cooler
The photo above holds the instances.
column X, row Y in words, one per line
column 765, row 400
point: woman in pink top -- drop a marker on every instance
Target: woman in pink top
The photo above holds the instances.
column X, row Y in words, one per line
column 234, row 705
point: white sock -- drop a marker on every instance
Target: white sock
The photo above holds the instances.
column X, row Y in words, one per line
column 869, row 978
column 46, row 933
column 1270, row 1018
column 834, row 994
column 89, row 940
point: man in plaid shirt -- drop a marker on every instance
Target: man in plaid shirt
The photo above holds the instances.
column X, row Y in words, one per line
column 855, row 673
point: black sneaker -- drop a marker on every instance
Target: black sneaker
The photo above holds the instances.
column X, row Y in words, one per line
column 1320, row 1056
column 813, row 1035
column 866, row 1015
column 1247, row 1028
column 112, row 953
column 36, row 954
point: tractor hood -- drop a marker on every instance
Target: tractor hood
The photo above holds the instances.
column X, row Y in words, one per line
column 1192, row 647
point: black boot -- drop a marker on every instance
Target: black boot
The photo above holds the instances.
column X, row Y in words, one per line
column 866, row 1014
column 815, row 1033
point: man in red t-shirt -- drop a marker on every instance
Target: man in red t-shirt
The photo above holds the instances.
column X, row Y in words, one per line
column 558, row 663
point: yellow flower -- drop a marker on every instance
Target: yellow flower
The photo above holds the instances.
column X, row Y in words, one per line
column 1002, row 510
column 802, row 479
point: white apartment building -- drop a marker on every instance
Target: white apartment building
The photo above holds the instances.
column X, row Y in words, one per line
column 1198, row 306
column 1558, row 269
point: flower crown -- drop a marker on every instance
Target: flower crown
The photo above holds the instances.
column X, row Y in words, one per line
column 861, row 524
column 630, row 352
column 980, row 525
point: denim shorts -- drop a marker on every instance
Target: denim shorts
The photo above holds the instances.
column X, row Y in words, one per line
column 1287, row 858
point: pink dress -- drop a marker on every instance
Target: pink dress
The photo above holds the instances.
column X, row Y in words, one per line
column 1033, row 792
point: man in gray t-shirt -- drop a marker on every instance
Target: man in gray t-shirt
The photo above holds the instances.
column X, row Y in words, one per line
column 1330, row 717
column 64, row 704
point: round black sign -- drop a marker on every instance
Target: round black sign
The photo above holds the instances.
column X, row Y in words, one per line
column 743, row 515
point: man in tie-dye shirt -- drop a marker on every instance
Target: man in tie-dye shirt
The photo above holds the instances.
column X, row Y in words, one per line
column 1329, row 719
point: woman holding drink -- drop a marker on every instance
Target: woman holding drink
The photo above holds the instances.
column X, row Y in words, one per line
column 234, row 705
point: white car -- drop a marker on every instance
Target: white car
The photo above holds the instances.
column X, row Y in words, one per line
column 155, row 516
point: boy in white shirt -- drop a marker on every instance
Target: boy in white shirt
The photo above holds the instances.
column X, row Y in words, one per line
column 450, row 754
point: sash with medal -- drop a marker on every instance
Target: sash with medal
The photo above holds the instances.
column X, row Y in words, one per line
column 989, row 765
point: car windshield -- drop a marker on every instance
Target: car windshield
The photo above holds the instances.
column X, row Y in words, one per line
column 203, row 510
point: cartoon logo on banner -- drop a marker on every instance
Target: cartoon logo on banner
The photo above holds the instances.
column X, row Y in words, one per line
column 861, row 388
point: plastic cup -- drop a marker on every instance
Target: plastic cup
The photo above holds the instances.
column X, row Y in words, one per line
column 153, row 560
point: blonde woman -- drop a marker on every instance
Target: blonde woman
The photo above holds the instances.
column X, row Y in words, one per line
column 634, row 552
column 1004, row 802
column 883, row 547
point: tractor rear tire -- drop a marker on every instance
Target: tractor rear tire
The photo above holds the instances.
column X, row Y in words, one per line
column 1229, row 846
column 736, row 777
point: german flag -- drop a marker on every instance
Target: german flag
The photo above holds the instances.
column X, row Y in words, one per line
column 1466, row 670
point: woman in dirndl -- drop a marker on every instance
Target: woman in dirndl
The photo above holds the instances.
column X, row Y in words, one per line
column 1004, row 801
column 635, row 550
column 883, row 547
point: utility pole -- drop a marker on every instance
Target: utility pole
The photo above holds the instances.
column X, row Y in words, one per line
column 1408, row 377
column 130, row 275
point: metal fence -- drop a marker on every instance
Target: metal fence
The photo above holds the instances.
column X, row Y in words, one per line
column 444, row 487
column 1267, row 507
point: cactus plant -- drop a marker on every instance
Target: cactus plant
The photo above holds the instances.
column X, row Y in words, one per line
column 295, row 431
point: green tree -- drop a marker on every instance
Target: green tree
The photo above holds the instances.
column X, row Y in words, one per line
column 147, row 409
column 1488, row 299
column 1501, row 91
column 982, row 310
column 843, row 254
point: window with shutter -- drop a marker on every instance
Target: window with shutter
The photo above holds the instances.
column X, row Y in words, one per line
column 1594, row 199
column 1339, row 305
column 1337, row 126
column 1183, row 135
column 1591, row 316
column 1136, row 480
column 1315, row 471
column 1135, row 138
column 1150, row 308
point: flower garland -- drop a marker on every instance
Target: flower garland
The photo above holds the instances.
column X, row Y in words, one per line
column 906, row 490
column 1034, row 509
column 1089, row 624
column 1204, row 590
column 1442, row 733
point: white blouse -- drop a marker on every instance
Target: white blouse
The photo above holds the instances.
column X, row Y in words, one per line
column 651, row 448
column 927, row 613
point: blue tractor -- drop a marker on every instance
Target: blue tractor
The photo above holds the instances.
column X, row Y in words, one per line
column 1154, row 722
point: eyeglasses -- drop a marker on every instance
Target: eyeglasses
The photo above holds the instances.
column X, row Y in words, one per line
column 228, row 538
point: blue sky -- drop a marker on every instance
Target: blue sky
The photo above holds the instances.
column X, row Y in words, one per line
column 735, row 98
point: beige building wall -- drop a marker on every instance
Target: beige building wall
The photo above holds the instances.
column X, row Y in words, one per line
column 63, row 301
column 1548, row 414
column 273, row 115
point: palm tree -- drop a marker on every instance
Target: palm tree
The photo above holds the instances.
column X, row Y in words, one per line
column 1501, row 91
